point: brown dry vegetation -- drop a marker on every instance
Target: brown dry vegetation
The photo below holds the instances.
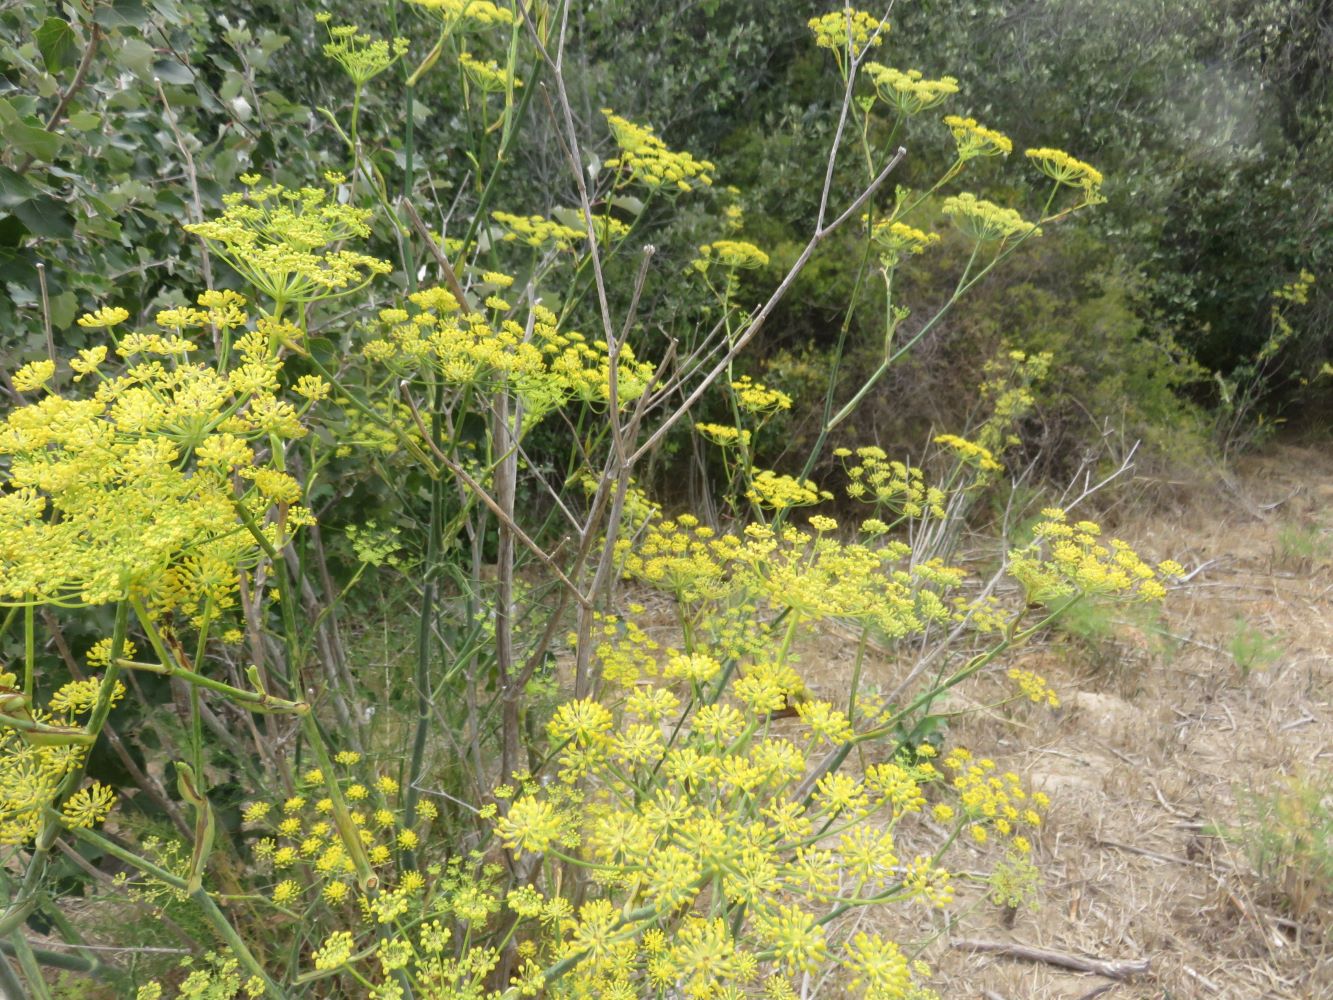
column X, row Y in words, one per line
column 1157, row 733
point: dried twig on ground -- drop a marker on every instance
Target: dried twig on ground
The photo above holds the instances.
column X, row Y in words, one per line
column 1111, row 969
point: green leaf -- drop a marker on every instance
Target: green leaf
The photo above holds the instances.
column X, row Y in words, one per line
column 136, row 55
column 171, row 71
column 14, row 188
column 45, row 216
column 323, row 350
column 628, row 203
column 26, row 134
column 63, row 308
column 85, row 121
column 55, row 41
column 122, row 14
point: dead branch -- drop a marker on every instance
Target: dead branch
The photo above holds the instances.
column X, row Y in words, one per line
column 1111, row 969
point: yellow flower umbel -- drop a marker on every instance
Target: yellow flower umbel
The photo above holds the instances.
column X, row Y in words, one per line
column 848, row 31
column 1062, row 168
column 910, row 92
column 898, row 240
column 1069, row 560
column 985, row 221
column 729, row 253
column 362, row 56
column 775, row 491
column 754, row 397
column 36, row 759
column 546, row 366
column 537, row 232
column 464, row 15
column 131, row 491
column 645, row 158
column 488, row 75
column 287, row 243
column 975, row 140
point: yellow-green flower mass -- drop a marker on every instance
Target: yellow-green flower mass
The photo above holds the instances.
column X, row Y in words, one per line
column 848, row 28
column 131, row 492
column 467, row 14
column 1065, row 169
column 985, row 221
column 729, row 253
column 909, row 91
column 645, row 158
column 976, row 140
column 546, row 366
column 362, row 56
column 287, row 243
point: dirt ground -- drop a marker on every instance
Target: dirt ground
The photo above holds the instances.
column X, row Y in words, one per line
column 1159, row 737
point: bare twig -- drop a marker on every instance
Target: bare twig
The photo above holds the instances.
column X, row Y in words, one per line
column 80, row 75
column 1144, row 852
column 1111, row 969
column 480, row 492
column 193, row 177
column 757, row 323
column 450, row 278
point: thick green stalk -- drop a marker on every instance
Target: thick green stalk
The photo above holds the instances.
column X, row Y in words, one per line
column 215, row 917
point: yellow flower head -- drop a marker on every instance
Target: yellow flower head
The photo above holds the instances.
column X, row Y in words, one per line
column 1062, row 168
column 848, row 30
column 976, row 140
column 909, row 91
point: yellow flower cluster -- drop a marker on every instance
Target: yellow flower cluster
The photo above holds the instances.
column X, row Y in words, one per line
column 104, row 318
column 1062, row 168
column 897, row 239
column 645, row 158
column 683, row 557
column 287, row 243
column 810, row 573
column 983, row 220
column 546, row 369
column 300, row 843
column 39, row 749
column 892, row 485
column 994, row 803
column 724, row 435
column 362, row 56
column 729, row 253
column 975, row 140
column 34, row 375
column 132, row 490
column 1067, row 560
column 845, row 29
column 756, row 398
column 216, row 976
column 487, row 74
column 535, row 231
column 622, row 651
column 727, row 871
column 970, row 452
column 1007, row 388
column 778, row 491
column 465, row 14
column 1034, row 687
column 909, row 91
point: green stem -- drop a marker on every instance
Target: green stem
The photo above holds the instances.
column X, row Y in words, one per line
column 201, row 898
column 22, row 906
column 29, row 648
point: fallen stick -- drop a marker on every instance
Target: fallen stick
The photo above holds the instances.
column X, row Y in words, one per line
column 1098, row 966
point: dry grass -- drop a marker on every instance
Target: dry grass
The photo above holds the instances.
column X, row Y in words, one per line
column 1147, row 755
column 1157, row 734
